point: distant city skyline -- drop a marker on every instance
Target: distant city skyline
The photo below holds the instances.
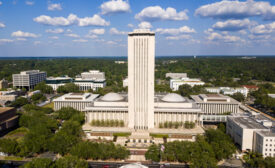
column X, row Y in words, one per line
column 99, row 28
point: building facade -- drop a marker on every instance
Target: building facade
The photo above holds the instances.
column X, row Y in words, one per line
column 176, row 75
column 252, row 133
column 4, row 84
column 176, row 83
column 78, row 101
column 28, row 79
column 8, row 118
column 141, row 68
column 228, row 90
column 55, row 82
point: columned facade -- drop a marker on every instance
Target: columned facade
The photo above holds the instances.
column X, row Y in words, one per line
column 141, row 66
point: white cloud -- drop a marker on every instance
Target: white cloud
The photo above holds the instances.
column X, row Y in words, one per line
column 80, row 40
column 91, row 36
column 72, row 35
column 115, row 6
column 97, row 31
column 2, row 25
column 69, row 30
column 1, row 3
column 96, row 20
column 53, row 7
column 130, row 25
column 54, row 37
column 184, row 36
column 145, row 25
column 232, row 25
column 21, row 39
column 224, row 38
column 19, row 33
column 263, row 29
column 55, row 31
column 237, row 9
column 175, row 31
column 111, row 42
column 30, row 3
column 117, row 32
column 5, row 41
column 155, row 13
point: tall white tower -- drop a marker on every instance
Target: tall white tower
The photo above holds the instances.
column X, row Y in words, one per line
column 141, row 67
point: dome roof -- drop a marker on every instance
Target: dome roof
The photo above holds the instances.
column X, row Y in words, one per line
column 134, row 165
column 112, row 97
column 173, row 97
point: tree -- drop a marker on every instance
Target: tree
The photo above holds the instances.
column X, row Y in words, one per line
column 38, row 97
column 71, row 161
column 238, row 96
column 68, row 87
column 153, row 153
column 39, row 163
column 44, row 88
column 9, row 146
column 20, row 101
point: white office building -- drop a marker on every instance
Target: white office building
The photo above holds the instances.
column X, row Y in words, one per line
column 252, row 133
column 125, row 82
column 78, row 101
column 176, row 83
column 55, row 82
column 91, row 80
column 228, row 90
column 93, row 74
column 28, row 79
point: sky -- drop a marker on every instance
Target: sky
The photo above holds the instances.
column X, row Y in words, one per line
column 100, row 27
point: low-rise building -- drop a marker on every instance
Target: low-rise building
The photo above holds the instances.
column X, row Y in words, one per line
column 93, row 79
column 120, row 62
column 176, row 83
column 228, row 90
column 4, row 84
column 93, row 74
column 77, row 101
column 55, row 82
column 252, row 133
column 271, row 95
column 176, row 75
column 251, row 88
column 28, row 79
column 8, row 95
column 8, row 118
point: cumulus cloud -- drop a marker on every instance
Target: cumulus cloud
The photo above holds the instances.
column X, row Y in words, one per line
column 91, row 36
column 175, row 31
column 223, row 38
column 263, row 29
column 156, row 13
column 115, row 6
column 2, row 25
column 53, row 7
column 130, row 25
column 72, row 19
column 30, row 3
column 55, row 31
column 1, row 3
column 80, row 40
column 97, row 31
column 20, row 33
column 72, row 35
column 111, row 42
column 145, row 25
column 232, row 25
column 21, row 39
column 237, row 9
column 117, row 32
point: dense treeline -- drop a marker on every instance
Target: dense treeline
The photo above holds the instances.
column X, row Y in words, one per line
column 256, row 160
column 217, row 70
column 205, row 152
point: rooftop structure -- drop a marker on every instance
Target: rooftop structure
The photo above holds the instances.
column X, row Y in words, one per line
column 93, row 79
column 272, row 95
column 93, row 74
column 28, row 79
column 55, row 82
column 176, row 75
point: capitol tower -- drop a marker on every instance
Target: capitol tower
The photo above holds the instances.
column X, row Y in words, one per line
column 141, row 67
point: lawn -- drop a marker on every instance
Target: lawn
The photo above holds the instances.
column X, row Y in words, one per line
column 17, row 134
column 50, row 105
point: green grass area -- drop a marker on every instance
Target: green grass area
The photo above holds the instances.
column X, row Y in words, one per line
column 50, row 105
column 122, row 134
column 159, row 135
column 18, row 133
column 13, row 158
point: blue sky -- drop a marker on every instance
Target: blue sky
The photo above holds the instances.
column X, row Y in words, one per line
column 99, row 27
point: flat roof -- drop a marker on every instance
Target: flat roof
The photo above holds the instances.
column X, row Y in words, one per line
column 4, row 109
column 213, row 98
column 249, row 123
column 268, row 133
column 77, row 97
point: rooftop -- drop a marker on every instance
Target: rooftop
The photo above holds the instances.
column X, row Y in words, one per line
column 213, row 98
column 4, row 109
column 77, row 97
